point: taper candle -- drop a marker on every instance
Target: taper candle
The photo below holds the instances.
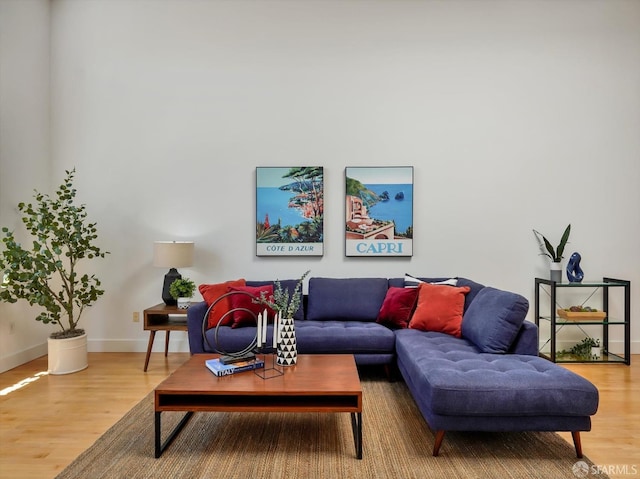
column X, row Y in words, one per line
column 276, row 322
column 264, row 327
column 259, row 333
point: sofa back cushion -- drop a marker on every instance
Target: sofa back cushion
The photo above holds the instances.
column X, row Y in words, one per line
column 493, row 319
column 347, row 299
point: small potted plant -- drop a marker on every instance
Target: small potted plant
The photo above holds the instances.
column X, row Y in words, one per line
column 182, row 290
column 555, row 254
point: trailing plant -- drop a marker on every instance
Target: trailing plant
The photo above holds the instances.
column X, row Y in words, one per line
column 182, row 288
column 582, row 350
column 283, row 301
column 47, row 274
column 547, row 249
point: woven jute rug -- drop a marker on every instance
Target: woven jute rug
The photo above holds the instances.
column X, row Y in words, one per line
column 397, row 444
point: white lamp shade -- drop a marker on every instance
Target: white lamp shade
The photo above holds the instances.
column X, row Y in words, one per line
column 173, row 254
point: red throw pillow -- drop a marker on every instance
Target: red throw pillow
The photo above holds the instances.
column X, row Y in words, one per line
column 439, row 308
column 211, row 292
column 397, row 307
column 245, row 318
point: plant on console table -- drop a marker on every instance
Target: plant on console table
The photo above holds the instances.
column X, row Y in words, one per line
column 586, row 350
column 48, row 274
column 285, row 304
column 555, row 254
column 182, row 290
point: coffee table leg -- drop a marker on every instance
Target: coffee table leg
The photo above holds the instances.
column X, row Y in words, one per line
column 161, row 447
column 356, row 425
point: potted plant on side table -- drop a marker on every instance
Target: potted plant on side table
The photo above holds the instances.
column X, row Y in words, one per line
column 182, row 290
column 48, row 274
column 556, row 254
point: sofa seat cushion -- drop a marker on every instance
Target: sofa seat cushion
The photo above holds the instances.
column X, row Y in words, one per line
column 461, row 381
column 343, row 337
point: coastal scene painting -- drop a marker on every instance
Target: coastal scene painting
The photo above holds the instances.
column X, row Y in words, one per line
column 379, row 211
column 289, row 211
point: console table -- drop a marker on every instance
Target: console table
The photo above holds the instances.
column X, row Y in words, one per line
column 550, row 323
column 157, row 318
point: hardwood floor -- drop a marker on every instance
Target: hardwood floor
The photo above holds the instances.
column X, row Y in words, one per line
column 48, row 422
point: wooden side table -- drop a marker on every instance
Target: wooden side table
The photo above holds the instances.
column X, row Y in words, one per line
column 156, row 318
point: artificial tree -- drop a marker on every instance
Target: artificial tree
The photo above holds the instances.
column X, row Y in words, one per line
column 47, row 274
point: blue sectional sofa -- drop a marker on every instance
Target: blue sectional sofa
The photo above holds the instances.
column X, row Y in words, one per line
column 482, row 374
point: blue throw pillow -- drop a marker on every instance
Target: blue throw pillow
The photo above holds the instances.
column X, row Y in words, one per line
column 493, row 319
column 351, row 299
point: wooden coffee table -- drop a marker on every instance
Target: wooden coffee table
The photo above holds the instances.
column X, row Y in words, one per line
column 317, row 383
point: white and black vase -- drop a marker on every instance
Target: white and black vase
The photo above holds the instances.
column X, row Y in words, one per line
column 287, row 350
column 556, row 272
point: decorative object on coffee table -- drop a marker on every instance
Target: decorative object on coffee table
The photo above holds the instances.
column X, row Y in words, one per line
column 574, row 271
column 286, row 305
column 556, row 254
column 287, row 347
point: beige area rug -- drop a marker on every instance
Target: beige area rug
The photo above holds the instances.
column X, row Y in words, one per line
column 397, row 444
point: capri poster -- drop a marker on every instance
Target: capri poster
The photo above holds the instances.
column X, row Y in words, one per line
column 379, row 211
column 289, row 211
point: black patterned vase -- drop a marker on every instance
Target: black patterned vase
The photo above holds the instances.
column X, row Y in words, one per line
column 287, row 348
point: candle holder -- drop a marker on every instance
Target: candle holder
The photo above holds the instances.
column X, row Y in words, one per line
column 271, row 368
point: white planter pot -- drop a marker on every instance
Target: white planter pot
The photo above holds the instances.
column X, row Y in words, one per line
column 68, row 355
column 555, row 272
column 596, row 352
column 184, row 303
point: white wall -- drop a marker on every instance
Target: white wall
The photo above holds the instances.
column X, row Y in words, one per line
column 515, row 115
column 24, row 151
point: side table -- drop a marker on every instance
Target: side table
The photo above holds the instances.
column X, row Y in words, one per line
column 156, row 318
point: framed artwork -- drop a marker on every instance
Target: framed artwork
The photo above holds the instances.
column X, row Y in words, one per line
column 379, row 211
column 289, row 211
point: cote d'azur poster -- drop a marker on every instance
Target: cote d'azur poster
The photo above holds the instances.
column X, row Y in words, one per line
column 289, row 211
column 379, row 211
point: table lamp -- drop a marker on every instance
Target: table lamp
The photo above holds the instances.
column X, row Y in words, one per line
column 172, row 255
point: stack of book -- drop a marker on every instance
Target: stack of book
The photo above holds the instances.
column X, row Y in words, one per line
column 220, row 369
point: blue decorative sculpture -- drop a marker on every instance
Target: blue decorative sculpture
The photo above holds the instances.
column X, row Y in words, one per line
column 574, row 272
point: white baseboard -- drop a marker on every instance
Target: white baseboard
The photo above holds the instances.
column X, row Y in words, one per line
column 177, row 345
column 16, row 359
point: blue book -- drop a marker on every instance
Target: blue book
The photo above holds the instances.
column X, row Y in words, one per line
column 220, row 369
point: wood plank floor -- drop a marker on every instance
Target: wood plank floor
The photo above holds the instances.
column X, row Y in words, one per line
column 50, row 420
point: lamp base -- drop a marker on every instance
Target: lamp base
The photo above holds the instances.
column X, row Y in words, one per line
column 169, row 278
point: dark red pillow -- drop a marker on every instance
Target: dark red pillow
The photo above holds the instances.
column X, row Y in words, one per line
column 210, row 293
column 439, row 308
column 245, row 318
column 397, row 307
